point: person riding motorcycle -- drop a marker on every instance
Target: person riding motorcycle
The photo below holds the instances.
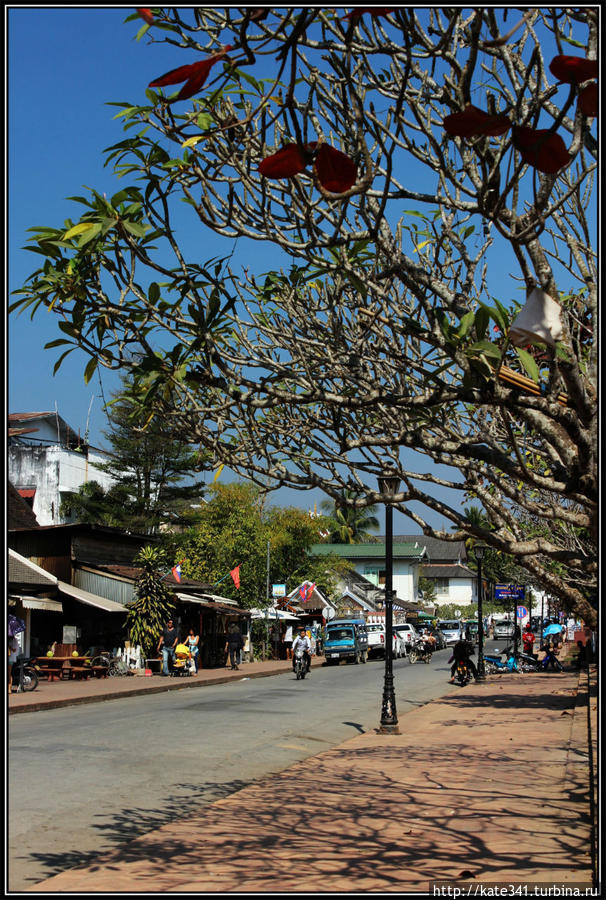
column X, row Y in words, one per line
column 462, row 652
column 302, row 641
column 429, row 639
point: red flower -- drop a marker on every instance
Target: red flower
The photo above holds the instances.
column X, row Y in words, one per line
column 336, row 171
column 146, row 14
column 573, row 69
column 541, row 148
column 194, row 75
column 287, row 162
column 588, row 100
column 473, row 121
column 372, row 10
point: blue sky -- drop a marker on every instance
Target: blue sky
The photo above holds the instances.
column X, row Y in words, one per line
column 64, row 65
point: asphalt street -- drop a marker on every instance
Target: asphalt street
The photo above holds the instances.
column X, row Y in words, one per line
column 88, row 778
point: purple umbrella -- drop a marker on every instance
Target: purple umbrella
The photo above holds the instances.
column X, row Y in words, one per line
column 15, row 625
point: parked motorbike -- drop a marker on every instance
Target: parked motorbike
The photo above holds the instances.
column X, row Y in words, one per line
column 25, row 674
column 300, row 663
column 550, row 659
column 420, row 650
column 462, row 673
column 526, row 662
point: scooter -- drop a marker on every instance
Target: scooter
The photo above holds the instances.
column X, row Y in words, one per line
column 300, row 663
column 462, row 673
column 550, row 659
column 526, row 662
column 494, row 664
column 420, row 651
column 25, row 674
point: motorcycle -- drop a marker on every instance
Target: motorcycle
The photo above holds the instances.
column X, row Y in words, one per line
column 526, row 662
column 25, row 674
column 300, row 663
column 550, row 659
column 420, row 650
column 462, row 673
column 494, row 664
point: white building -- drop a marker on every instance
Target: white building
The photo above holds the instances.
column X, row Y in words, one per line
column 369, row 560
column 47, row 461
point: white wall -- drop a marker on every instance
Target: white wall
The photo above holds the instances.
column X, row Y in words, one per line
column 405, row 576
column 52, row 471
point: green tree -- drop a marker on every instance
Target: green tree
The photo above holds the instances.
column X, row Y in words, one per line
column 154, row 602
column 392, row 160
column 349, row 524
column 149, row 463
column 236, row 529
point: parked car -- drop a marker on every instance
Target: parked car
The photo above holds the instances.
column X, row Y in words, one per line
column 451, row 630
column 407, row 632
column 376, row 641
column 503, row 630
column 346, row 639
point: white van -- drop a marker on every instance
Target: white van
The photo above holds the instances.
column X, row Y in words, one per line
column 451, row 629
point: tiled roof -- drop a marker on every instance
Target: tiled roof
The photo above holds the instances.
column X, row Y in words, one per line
column 407, row 550
column 19, row 513
column 446, row 571
column 437, row 550
column 131, row 573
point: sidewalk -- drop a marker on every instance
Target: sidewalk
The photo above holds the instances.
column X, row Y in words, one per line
column 490, row 784
column 50, row 695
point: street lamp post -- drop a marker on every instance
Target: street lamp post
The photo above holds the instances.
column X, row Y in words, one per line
column 479, row 550
column 388, row 485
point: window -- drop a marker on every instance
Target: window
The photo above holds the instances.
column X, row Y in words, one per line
column 442, row 585
column 375, row 574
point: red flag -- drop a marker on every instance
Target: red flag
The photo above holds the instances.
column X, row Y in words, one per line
column 235, row 574
column 310, row 590
column 176, row 572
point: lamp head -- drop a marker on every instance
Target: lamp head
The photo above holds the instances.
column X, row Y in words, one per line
column 479, row 550
column 389, row 483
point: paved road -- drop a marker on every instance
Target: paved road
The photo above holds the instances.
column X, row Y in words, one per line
column 83, row 779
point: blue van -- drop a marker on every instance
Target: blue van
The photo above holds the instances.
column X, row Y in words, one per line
column 346, row 639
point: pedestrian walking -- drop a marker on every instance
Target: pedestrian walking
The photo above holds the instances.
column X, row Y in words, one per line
column 234, row 644
column 167, row 643
column 288, row 641
column 193, row 642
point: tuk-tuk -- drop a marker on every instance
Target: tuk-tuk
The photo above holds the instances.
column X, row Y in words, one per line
column 346, row 639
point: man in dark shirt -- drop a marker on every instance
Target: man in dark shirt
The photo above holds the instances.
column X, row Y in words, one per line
column 234, row 644
column 462, row 650
column 167, row 643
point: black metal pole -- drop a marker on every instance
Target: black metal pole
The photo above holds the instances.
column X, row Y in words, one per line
column 481, row 669
column 389, row 716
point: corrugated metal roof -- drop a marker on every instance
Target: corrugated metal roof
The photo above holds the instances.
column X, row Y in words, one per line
column 90, row 599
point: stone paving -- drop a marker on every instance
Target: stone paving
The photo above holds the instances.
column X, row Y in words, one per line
column 494, row 783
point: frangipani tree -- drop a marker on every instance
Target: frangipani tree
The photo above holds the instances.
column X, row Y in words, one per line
column 392, row 157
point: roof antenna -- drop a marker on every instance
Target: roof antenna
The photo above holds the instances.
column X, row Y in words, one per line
column 88, row 418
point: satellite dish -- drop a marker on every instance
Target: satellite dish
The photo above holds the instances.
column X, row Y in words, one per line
column 329, row 612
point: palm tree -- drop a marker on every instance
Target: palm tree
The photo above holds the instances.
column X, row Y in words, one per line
column 349, row 524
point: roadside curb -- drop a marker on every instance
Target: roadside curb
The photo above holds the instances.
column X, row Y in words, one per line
column 174, row 685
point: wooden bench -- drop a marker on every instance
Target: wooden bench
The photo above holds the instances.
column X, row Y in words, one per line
column 81, row 672
column 99, row 671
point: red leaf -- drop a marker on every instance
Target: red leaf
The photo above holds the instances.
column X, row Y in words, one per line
column 472, row 122
column 336, row 171
column 371, row 10
column 541, row 148
column 146, row 14
column 194, row 74
column 588, row 100
column 175, row 76
column 285, row 163
column 573, row 69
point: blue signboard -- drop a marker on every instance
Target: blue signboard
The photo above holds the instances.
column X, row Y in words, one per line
column 509, row 591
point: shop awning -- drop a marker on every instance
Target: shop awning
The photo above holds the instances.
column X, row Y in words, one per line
column 41, row 603
column 90, row 599
column 211, row 602
column 273, row 614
